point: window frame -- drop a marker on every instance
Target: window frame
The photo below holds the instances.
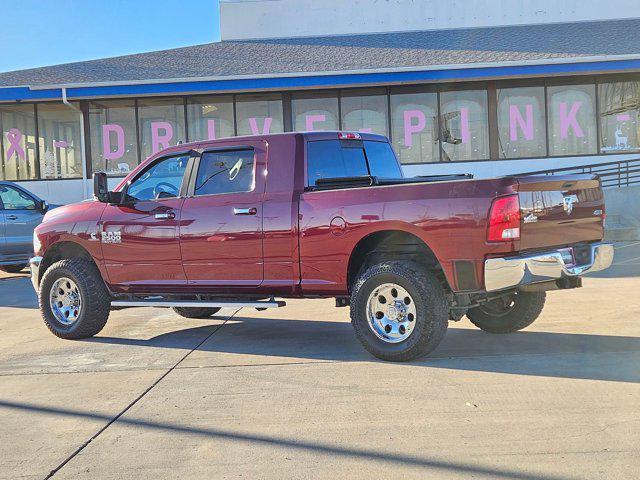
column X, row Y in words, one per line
column 182, row 193
column 191, row 188
column 309, row 187
column 24, row 192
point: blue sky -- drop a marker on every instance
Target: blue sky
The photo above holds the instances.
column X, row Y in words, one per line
column 36, row 33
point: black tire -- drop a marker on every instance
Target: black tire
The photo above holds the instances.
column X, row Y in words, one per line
column 508, row 314
column 13, row 268
column 196, row 312
column 95, row 298
column 432, row 311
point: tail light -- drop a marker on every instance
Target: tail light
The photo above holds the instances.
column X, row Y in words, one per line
column 504, row 219
column 349, row 136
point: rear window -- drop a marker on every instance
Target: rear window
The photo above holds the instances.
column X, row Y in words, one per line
column 350, row 158
column 382, row 160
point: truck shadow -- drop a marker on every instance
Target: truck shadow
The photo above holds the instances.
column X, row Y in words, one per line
column 16, row 291
column 565, row 355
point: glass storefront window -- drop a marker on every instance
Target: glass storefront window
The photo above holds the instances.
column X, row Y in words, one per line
column 113, row 136
column 59, row 141
column 619, row 117
column 210, row 118
column 315, row 112
column 521, row 122
column 259, row 114
column 162, row 124
column 464, row 125
column 572, row 120
column 414, row 127
column 364, row 111
column 18, row 127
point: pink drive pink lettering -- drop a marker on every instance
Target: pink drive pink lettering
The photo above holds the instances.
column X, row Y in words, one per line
column 410, row 128
column 623, row 117
column 60, row 144
column 158, row 140
column 211, row 129
column 266, row 126
column 569, row 120
column 465, row 133
column 312, row 119
column 14, row 136
column 107, row 130
column 515, row 120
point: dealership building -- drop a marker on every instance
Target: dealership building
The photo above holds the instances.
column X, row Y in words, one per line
column 473, row 86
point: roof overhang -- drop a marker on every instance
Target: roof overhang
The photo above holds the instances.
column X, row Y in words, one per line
column 330, row 79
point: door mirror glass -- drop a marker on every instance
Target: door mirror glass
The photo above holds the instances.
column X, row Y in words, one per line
column 42, row 205
column 100, row 187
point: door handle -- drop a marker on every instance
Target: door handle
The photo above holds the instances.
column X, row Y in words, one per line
column 12, row 217
column 245, row 211
column 165, row 215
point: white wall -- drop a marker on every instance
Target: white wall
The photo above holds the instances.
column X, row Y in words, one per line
column 62, row 192
column 245, row 19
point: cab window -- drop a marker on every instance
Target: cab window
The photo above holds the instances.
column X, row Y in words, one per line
column 15, row 199
column 162, row 180
column 350, row 158
column 230, row 171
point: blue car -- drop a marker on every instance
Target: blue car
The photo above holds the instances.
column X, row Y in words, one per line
column 20, row 212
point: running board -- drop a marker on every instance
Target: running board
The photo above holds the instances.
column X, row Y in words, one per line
column 197, row 304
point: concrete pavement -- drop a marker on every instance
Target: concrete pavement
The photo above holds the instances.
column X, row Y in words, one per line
column 289, row 393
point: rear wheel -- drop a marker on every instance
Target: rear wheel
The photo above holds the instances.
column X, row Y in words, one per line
column 13, row 268
column 509, row 313
column 196, row 312
column 74, row 300
column 399, row 311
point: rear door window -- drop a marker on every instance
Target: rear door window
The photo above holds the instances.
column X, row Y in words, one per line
column 229, row 171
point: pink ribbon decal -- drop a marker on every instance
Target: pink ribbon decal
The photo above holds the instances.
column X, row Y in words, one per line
column 14, row 136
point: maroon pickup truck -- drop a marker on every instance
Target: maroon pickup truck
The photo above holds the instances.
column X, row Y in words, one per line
column 237, row 222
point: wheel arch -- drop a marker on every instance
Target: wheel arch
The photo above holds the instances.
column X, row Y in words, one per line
column 63, row 250
column 393, row 244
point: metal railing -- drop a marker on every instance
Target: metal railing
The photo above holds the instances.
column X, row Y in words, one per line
column 621, row 173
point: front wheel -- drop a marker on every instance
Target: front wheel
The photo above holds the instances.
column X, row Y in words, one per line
column 196, row 312
column 74, row 300
column 399, row 311
column 509, row 313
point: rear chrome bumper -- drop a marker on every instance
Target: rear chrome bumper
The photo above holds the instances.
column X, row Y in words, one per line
column 34, row 266
column 509, row 272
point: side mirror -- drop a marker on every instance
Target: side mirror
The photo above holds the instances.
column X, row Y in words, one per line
column 100, row 187
column 43, row 206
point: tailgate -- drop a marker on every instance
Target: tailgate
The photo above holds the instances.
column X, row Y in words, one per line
column 560, row 210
